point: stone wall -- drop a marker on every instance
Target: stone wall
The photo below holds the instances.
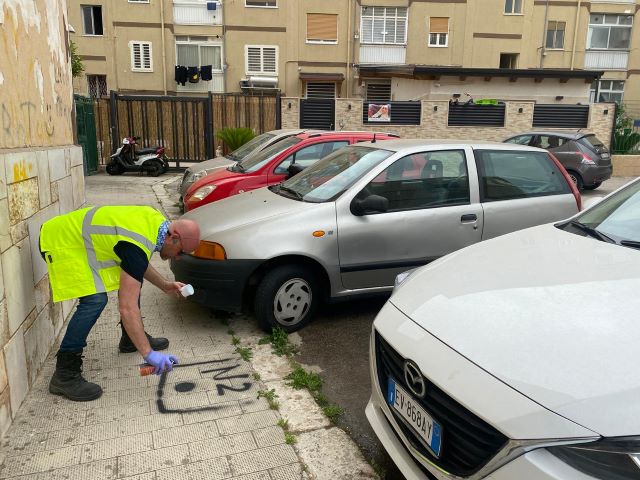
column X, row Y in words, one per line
column 626, row 165
column 41, row 175
column 434, row 119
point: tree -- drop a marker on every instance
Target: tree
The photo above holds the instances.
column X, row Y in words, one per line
column 76, row 62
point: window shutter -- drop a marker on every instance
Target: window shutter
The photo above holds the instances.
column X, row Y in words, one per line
column 146, row 56
column 439, row 25
column 254, row 59
column 269, row 62
column 321, row 26
column 137, row 59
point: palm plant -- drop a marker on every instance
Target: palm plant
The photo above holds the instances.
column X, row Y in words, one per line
column 234, row 138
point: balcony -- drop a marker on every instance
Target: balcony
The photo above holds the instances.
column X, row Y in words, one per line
column 390, row 54
column 606, row 59
column 196, row 13
column 215, row 85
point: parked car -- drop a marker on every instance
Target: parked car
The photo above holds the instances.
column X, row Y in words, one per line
column 499, row 362
column 272, row 165
column 260, row 142
column 351, row 222
column 584, row 156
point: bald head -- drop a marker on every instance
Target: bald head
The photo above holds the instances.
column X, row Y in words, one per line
column 183, row 236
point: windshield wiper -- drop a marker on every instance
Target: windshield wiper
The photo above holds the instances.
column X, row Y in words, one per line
column 592, row 232
column 293, row 192
column 237, row 168
column 630, row 243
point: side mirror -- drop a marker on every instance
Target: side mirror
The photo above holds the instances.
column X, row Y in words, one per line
column 372, row 203
column 294, row 169
column 590, row 202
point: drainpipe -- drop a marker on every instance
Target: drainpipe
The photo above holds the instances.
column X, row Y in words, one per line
column 543, row 49
column 164, row 53
column 349, row 40
column 575, row 34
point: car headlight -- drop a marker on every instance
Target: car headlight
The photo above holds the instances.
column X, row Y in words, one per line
column 610, row 459
column 401, row 277
column 202, row 192
column 197, row 175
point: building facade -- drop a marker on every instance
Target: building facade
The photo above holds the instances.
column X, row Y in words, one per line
column 41, row 175
column 319, row 48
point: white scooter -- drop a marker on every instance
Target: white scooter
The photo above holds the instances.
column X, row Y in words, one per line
column 128, row 159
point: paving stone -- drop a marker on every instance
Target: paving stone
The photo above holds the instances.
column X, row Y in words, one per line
column 254, row 476
column 262, row 459
column 153, row 460
column 254, row 405
column 148, row 424
column 185, row 434
column 117, row 412
column 212, row 469
column 247, row 422
column 103, row 470
column 51, row 422
column 266, row 437
column 116, row 447
column 220, row 446
column 288, row 472
column 19, row 443
column 40, row 461
column 77, row 436
column 222, row 410
column 143, row 476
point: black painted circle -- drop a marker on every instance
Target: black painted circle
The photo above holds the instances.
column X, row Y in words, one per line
column 183, row 387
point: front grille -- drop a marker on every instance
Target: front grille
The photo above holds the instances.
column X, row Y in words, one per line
column 468, row 442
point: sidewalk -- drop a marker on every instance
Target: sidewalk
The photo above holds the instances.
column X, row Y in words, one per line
column 201, row 421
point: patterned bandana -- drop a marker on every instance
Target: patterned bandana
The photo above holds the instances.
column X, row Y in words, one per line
column 162, row 235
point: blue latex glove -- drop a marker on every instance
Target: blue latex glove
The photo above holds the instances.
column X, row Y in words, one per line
column 160, row 361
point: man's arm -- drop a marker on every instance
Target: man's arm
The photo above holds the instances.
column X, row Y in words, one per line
column 170, row 288
column 130, row 312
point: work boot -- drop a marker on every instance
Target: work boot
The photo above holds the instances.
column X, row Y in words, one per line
column 67, row 380
column 127, row 346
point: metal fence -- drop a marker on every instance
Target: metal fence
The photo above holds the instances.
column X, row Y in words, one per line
column 473, row 115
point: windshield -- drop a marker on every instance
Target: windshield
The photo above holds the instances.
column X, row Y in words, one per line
column 328, row 178
column 259, row 159
column 617, row 217
column 593, row 142
column 239, row 153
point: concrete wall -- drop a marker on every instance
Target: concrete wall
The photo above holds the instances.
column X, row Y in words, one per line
column 433, row 123
column 41, row 175
column 626, row 165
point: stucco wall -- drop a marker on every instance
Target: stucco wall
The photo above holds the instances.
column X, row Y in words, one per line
column 433, row 123
column 626, row 165
column 41, row 175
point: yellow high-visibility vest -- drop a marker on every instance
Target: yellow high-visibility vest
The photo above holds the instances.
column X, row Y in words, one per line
column 79, row 245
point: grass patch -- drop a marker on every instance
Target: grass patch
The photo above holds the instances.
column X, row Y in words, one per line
column 270, row 396
column 256, row 376
column 289, row 438
column 231, row 331
column 245, row 353
column 333, row 412
column 300, row 379
column 235, row 340
column 280, row 344
column 283, row 423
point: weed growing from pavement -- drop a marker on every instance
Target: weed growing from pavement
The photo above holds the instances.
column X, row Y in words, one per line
column 245, row 353
column 333, row 412
column 380, row 471
column 231, row 331
column 235, row 340
column 299, row 378
column 290, row 438
column 256, row 376
column 280, row 344
column 270, row 396
column 283, row 423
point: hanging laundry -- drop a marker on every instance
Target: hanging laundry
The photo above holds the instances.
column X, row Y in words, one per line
column 194, row 76
column 205, row 72
column 181, row 74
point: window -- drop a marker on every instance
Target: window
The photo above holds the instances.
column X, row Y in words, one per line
column 141, row 60
column 309, row 155
column 322, row 28
column 379, row 91
column 438, row 31
column 92, row 19
column 424, row 180
column 262, row 59
column 194, row 54
column 261, row 3
column 508, row 60
column 555, row 34
column 607, row 91
column 509, row 175
column 549, row 141
column 321, row 90
column 97, row 86
column 609, row 32
column 384, row 25
column 520, row 140
column 513, row 7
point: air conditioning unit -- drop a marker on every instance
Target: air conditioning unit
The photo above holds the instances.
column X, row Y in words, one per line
column 260, row 82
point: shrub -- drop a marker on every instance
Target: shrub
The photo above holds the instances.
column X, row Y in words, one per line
column 234, row 138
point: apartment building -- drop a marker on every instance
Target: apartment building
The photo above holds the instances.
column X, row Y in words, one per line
column 548, row 50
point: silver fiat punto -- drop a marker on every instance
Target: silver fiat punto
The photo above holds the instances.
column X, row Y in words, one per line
column 350, row 223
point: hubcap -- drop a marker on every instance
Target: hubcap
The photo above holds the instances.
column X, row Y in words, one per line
column 573, row 179
column 292, row 301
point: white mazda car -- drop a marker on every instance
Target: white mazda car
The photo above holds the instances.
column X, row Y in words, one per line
column 517, row 358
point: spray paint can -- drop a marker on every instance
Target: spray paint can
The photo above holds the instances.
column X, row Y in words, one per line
column 145, row 369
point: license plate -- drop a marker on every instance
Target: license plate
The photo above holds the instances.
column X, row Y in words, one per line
column 604, row 155
column 424, row 426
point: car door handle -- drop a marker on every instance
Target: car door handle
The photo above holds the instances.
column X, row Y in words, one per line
column 469, row 217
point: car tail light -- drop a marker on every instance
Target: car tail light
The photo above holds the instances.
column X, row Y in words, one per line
column 574, row 189
column 586, row 159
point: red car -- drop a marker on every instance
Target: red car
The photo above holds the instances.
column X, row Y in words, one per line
column 272, row 165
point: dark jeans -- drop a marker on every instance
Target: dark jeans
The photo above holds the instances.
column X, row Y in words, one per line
column 84, row 318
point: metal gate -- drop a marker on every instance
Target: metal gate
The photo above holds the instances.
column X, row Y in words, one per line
column 318, row 113
column 86, row 130
column 560, row 116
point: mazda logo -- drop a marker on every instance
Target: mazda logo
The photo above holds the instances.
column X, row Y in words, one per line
column 414, row 379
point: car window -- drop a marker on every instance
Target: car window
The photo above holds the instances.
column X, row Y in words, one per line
column 257, row 160
column 309, row 155
column 253, row 144
column 423, row 180
column 507, row 175
column 593, row 142
column 520, row 140
column 549, row 141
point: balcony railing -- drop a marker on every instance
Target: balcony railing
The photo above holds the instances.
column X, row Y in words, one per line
column 196, row 13
column 215, row 85
column 606, row 59
column 394, row 54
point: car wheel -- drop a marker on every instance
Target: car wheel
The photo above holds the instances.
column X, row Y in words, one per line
column 114, row 169
column 592, row 187
column 287, row 297
column 576, row 179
